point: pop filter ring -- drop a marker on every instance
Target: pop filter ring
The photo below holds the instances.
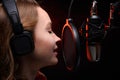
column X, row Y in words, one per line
column 69, row 26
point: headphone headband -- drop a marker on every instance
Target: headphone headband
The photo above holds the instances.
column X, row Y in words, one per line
column 21, row 42
column 12, row 12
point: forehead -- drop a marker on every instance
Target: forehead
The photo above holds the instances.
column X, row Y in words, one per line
column 44, row 20
column 43, row 15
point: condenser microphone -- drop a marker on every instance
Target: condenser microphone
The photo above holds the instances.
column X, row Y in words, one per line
column 114, row 18
column 94, row 34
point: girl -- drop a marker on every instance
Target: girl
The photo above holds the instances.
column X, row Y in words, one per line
column 27, row 67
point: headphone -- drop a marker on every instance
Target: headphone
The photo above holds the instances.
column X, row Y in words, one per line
column 21, row 42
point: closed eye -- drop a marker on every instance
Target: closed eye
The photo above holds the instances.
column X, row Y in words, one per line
column 50, row 32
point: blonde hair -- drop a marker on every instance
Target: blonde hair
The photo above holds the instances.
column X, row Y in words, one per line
column 28, row 15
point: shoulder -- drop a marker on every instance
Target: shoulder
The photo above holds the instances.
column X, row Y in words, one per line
column 40, row 76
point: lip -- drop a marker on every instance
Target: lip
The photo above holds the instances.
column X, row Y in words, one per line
column 56, row 49
column 55, row 53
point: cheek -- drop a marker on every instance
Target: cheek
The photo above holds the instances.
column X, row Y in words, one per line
column 44, row 50
column 44, row 46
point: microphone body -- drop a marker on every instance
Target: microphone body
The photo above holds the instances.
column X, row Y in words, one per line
column 94, row 33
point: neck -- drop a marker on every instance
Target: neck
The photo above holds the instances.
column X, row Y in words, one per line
column 27, row 69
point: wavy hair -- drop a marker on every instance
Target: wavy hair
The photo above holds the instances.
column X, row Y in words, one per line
column 28, row 16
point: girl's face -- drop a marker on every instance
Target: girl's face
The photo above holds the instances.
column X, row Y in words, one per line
column 45, row 40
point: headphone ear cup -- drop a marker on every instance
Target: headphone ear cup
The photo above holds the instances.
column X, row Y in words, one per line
column 22, row 44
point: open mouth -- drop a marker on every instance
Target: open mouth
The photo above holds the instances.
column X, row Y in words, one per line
column 56, row 50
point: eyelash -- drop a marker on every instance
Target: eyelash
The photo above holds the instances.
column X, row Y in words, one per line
column 50, row 32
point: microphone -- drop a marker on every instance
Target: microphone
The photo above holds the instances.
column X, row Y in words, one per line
column 114, row 18
column 94, row 34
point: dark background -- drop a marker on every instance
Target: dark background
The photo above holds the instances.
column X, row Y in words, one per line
column 108, row 67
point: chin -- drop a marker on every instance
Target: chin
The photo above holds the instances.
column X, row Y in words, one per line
column 54, row 61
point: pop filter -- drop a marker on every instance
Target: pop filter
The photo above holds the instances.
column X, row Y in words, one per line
column 70, row 45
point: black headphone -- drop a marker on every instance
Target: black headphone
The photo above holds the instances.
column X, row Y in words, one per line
column 22, row 41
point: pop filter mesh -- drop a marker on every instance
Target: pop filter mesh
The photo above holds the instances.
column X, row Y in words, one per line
column 69, row 48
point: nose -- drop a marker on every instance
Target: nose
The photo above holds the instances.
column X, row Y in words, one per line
column 57, row 39
column 58, row 43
